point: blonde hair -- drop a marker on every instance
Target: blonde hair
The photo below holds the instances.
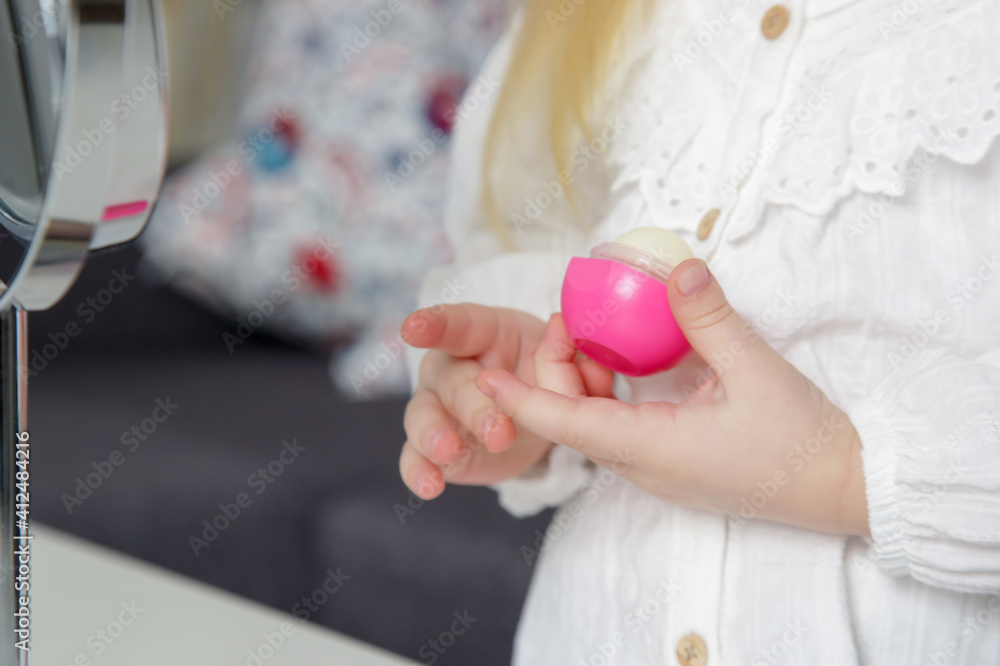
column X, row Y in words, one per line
column 559, row 66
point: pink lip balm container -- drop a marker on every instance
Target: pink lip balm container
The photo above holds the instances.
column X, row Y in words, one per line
column 615, row 307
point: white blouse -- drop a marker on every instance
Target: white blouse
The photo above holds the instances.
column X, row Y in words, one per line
column 853, row 164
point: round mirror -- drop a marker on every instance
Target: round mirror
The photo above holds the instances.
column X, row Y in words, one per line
column 82, row 136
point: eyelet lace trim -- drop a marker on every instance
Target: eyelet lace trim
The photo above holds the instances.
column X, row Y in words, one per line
column 936, row 94
column 900, row 96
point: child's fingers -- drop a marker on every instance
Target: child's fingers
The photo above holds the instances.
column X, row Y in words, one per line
column 594, row 426
column 555, row 367
column 598, row 380
column 419, row 474
column 430, row 428
column 465, row 329
column 453, row 382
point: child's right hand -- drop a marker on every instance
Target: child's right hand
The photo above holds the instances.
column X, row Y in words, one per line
column 455, row 433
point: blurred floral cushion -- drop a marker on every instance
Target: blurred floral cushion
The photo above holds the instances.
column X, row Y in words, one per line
column 319, row 218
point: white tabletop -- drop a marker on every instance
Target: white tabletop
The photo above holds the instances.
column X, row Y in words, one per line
column 91, row 606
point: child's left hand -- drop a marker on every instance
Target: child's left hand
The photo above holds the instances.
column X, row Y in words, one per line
column 769, row 442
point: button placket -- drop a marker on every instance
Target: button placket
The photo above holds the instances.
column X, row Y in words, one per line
column 744, row 159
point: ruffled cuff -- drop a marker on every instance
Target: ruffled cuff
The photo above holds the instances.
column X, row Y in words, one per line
column 931, row 457
column 548, row 484
column 880, row 453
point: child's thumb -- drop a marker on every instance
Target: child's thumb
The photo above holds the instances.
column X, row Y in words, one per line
column 715, row 330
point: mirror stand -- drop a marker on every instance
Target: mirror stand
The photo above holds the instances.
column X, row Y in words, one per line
column 75, row 176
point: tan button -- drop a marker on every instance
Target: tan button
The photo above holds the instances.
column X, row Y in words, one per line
column 692, row 651
column 707, row 222
column 775, row 21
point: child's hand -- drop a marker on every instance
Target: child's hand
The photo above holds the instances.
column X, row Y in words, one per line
column 758, row 432
column 454, row 433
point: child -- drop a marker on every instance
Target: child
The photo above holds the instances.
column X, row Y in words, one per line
column 820, row 482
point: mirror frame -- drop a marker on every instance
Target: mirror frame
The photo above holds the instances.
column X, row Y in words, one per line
column 94, row 151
